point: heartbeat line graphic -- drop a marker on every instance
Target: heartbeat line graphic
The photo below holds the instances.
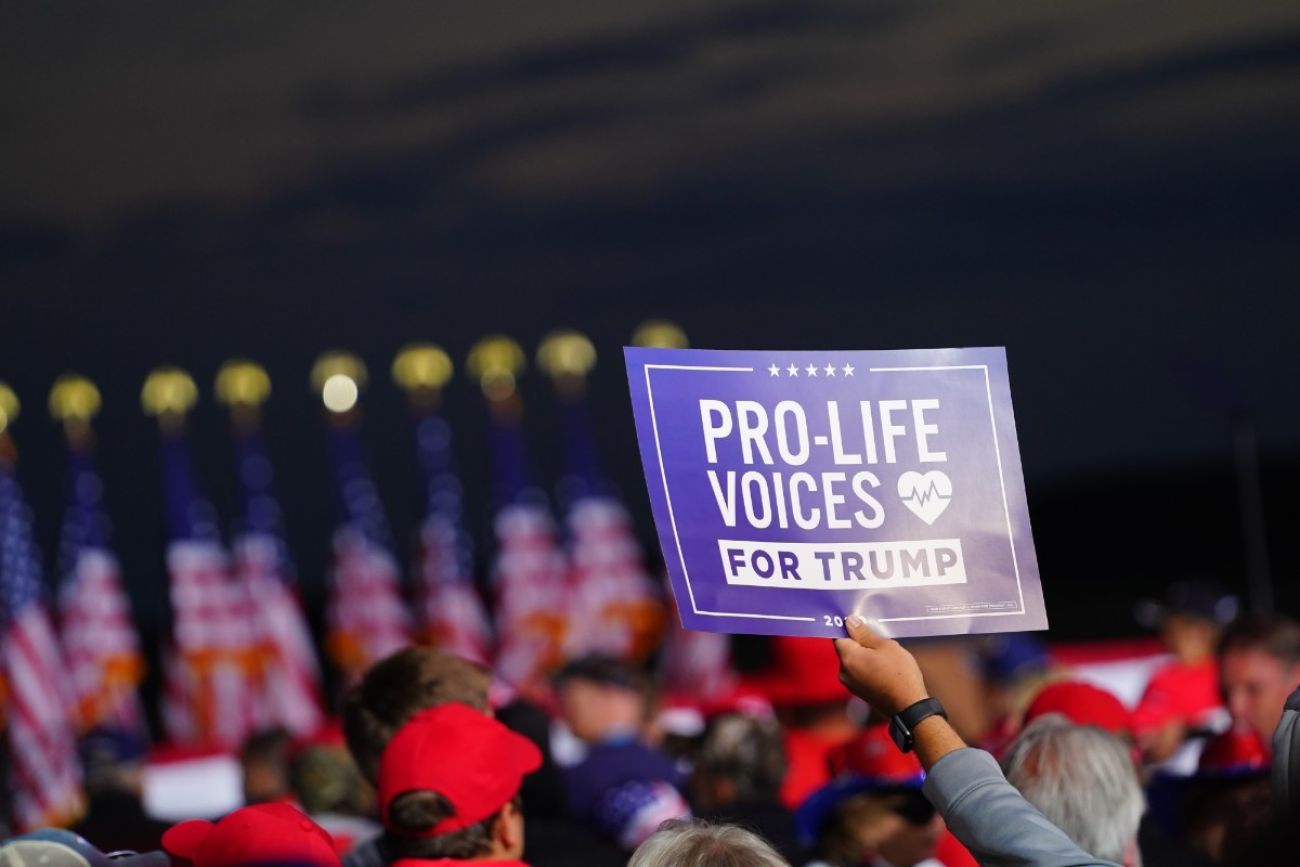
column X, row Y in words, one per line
column 931, row 491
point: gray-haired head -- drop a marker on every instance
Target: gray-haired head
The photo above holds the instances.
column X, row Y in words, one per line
column 1083, row 780
column 683, row 843
column 742, row 758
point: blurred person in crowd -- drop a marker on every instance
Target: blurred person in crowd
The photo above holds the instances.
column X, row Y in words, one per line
column 1230, row 801
column 264, row 760
column 449, row 784
column 874, row 812
column 797, row 675
column 966, row 786
column 682, row 843
column 554, row 839
column 391, row 692
column 1182, row 698
column 263, row 834
column 56, row 847
column 329, row 787
column 112, row 761
column 1259, row 667
column 624, row 788
column 398, row 686
column 1083, row 780
column 736, row 778
column 1015, row 666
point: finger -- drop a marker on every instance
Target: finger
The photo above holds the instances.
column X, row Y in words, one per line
column 861, row 633
column 844, row 647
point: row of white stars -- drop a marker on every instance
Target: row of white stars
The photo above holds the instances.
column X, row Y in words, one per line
column 811, row 370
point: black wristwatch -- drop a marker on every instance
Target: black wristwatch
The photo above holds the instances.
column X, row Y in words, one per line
column 906, row 721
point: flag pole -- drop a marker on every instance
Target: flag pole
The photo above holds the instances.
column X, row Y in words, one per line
column 366, row 616
column 448, row 604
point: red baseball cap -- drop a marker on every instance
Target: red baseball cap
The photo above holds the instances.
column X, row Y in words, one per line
column 1082, row 704
column 261, row 834
column 803, row 671
column 469, row 758
column 1239, row 751
column 873, row 754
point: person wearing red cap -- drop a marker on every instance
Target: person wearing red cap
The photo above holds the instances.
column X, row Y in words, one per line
column 1082, row 704
column 811, row 704
column 262, row 835
column 1229, row 802
column 449, row 789
column 1181, row 700
column 391, row 692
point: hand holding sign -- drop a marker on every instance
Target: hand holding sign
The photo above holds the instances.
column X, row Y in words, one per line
column 878, row 670
column 891, row 488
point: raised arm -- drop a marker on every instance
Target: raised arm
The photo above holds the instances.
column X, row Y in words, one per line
column 966, row 786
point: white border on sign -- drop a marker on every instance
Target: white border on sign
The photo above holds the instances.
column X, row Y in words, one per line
column 997, row 450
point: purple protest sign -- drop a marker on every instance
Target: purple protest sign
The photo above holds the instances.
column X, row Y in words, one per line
column 791, row 489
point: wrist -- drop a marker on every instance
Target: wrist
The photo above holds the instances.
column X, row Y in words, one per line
column 902, row 726
column 905, row 702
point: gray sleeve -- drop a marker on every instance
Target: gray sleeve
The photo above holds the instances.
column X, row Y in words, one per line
column 1286, row 757
column 993, row 821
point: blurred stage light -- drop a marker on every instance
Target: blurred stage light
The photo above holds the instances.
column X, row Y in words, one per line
column 168, row 390
column 339, row 393
column 73, row 398
column 496, row 362
column 659, row 333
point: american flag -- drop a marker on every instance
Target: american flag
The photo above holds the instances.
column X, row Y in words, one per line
column 100, row 643
column 612, row 594
column 211, row 695
column 44, row 776
column 290, row 674
column 529, row 575
column 366, row 615
column 451, row 611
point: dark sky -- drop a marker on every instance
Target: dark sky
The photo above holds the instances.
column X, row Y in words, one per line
column 1111, row 190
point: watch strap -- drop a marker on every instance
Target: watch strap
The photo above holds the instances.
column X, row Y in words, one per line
column 904, row 723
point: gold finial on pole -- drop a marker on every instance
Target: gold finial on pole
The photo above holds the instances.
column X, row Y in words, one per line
column 339, row 378
column 168, row 391
column 566, row 353
column 242, row 383
column 9, row 407
column 659, row 333
column 422, row 366
column 496, row 362
column 74, row 399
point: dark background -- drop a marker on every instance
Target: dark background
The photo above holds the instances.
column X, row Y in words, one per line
column 1111, row 190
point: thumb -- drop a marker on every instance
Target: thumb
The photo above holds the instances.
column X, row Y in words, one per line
column 861, row 633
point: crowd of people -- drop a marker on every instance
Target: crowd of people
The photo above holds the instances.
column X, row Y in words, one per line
column 835, row 754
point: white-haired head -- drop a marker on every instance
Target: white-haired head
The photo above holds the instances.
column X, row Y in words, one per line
column 1083, row 780
column 686, row 843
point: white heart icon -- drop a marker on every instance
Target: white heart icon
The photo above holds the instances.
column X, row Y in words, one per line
column 926, row 494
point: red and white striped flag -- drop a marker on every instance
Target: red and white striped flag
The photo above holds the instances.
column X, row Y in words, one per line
column 366, row 615
column 532, row 596
column 613, row 596
column 211, row 694
column 290, row 684
column 211, row 668
column 290, row 675
column 450, row 611
column 100, row 644
column 45, row 778
column 450, row 608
